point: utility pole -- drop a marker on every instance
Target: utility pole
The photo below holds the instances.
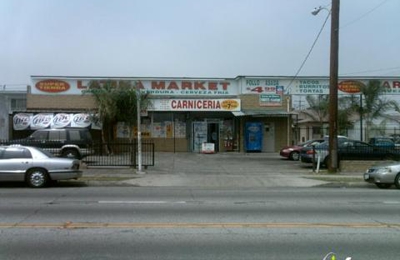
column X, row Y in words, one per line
column 333, row 88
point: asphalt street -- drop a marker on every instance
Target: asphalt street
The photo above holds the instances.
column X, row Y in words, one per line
column 198, row 223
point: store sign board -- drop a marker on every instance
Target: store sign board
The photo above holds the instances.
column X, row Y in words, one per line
column 52, row 86
column 156, row 87
column 195, row 105
column 312, row 86
column 214, row 87
column 270, row 100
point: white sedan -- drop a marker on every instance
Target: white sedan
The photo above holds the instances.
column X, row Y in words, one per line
column 34, row 166
column 384, row 176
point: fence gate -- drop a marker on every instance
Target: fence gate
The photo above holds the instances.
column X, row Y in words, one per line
column 120, row 154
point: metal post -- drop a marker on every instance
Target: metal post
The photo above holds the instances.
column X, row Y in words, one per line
column 333, row 87
column 139, row 133
column 361, row 118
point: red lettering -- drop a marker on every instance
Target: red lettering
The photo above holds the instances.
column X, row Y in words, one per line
column 199, row 85
column 396, row 84
column 173, row 85
column 386, row 84
column 225, row 85
column 212, row 86
column 186, row 85
column 158, row 85
column 173, row 104
column 139, row 85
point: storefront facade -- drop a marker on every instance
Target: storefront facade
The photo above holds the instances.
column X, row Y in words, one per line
column 238, row 114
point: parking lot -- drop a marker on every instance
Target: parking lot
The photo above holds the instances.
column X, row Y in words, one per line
column 222, row 170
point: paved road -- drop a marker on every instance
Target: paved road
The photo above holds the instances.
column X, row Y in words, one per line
column 194, row 223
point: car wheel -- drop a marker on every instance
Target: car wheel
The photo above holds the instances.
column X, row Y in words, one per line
column 383, row 185
column 37, row 178
column 397, row 181
column 294, row 156
column 70, row 153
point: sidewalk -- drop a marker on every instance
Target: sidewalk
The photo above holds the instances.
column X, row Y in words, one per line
column 223, row 170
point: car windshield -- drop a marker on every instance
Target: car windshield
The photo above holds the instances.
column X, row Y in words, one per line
column 322, row 145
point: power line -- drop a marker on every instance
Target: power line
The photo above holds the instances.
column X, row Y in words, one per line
column 364, row 15
column 309, row 53
column 368, row 71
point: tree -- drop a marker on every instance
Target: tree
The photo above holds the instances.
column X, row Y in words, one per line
column 374, row 105
column 116, row 102
column 318, row 108
column 319, row 111
column 127, row 102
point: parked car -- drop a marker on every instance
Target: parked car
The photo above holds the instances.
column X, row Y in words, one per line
column 307, row 153
column 386, row 142
column 292, row 152
column 384, row 176
column 348, row 149
column 34, row 166
column 66, row 142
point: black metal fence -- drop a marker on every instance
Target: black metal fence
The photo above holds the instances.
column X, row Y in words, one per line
column 121, row 154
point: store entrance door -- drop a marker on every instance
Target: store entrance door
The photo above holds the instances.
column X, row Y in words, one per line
column 205, row 132
column 213, row 135
column 199, row 135
column 269, row 138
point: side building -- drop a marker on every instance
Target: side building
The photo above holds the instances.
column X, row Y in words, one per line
column 12, row 100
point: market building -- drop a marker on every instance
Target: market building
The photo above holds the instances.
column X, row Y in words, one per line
column 234, row 114
column 243, row 114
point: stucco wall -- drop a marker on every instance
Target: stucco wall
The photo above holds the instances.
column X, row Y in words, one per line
column 66, row 102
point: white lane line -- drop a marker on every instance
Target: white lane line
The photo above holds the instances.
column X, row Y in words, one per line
column 139, row 202
column 391, row 202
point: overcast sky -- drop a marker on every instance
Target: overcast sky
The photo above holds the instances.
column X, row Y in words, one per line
column 193, row 38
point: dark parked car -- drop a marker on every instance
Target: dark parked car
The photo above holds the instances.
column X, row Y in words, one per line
column 384, row 176
column 348, row 150
column 67, row 142
column 386, row 142
column 35, row 166
column 292, row 152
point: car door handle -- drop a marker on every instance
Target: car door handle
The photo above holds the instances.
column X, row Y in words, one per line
column 25, row 162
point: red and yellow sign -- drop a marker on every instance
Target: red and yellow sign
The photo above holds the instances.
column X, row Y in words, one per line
column 52, row 86
column 229, row 104
column 350, row 86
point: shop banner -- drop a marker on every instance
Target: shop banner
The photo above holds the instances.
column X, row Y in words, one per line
column 22, row 121
column 155, row 86
column 313, row 86
column 195, row 105
column 270, row 100
column 31, row 121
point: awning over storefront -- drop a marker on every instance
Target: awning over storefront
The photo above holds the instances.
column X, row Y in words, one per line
column 262, row 113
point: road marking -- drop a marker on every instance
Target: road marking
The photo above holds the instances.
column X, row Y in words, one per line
column 391, row 202
column 93, row 225
column 139, row 202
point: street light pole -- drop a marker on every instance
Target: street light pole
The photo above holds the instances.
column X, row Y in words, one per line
column 333, row 88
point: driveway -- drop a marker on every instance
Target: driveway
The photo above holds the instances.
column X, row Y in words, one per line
column 224, row 170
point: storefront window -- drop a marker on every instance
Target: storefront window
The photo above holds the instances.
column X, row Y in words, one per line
column 168, row 125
